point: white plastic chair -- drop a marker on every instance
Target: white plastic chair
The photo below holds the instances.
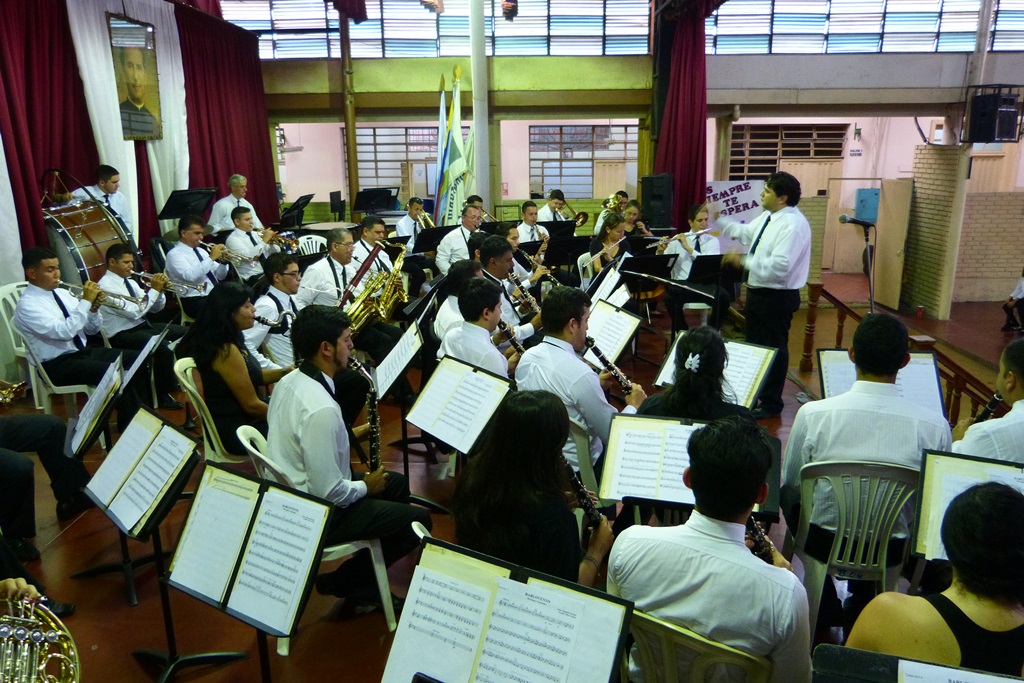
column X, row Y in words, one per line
column 869, row 497
column 312, row 244
column 9, row 295
column 578, row 433
column 668, row 653
column 256, row 445
column 587, row 273
column 214, row 449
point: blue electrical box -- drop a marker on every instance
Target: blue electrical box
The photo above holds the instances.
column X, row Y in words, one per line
column 867, row 204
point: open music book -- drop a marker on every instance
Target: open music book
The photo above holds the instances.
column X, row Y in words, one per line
column 469, row 617
column 457, row 402
column 97, row 408
column 744, row 374
column 943, row 477
column 250, row 548
column 917, row 382
column 141, row 469
column 608, row 289
column 392, row 367
column 645, row 458
column 612, row 328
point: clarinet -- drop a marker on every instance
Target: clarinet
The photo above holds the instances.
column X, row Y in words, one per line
column 989, row 408
column 510, row 335
column 522, row 290
column 372, row 416
column 763, row 548
column 583, row 497
column 626, row 385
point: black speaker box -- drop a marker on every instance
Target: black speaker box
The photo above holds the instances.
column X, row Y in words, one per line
column 993, row 118
column 337, row 203
column 656, row 191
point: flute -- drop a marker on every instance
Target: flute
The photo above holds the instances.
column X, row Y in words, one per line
column 522, row 290
column 626, row 385
column 511, row 336
column 601, row 253
column 989, row 408
column 665, row 240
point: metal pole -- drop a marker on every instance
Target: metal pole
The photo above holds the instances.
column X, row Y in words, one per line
column 481, row 88
column 349, row 112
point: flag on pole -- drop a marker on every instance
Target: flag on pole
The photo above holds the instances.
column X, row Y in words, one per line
column 451, row 192
column 442, row 140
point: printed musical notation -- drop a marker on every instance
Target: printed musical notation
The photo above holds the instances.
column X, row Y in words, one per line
column 124, row 456
column 918, row 381
column 611, row 329
column 646, row 458
column 392, row 367
column 744, row 373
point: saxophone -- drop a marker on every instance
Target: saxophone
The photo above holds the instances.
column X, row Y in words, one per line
column 35, row 647
column 372, row 416
column 393, row 291
column 363, row 309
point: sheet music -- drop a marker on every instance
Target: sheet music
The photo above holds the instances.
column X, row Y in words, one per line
column 919, row 672
column 457, row 402
column 463, row 567
column 140, row 494
column 611, row 329
column 608, row 284
column 282, row 548
column 743, row 374
column 93, row 408
column 143, row 355
column 646, row 458
column 440, row 630
column 917, row 382
column 212, row 538
column 531, row 635
column 392, row 367
column 124, row 456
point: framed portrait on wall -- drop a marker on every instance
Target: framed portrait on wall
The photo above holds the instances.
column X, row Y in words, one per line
column 133, row 47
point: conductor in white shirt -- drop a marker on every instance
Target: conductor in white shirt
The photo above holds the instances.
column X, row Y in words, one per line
column 188, row 262
column 471, row 340
column 1001, row 438
column 220, row 215
column 129, row 328
column 243, row 240
column 107, row 192
column 308, row 439
column 455, row 245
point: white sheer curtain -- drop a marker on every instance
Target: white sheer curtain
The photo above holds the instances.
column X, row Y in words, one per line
column 10, row 258
column 168, row 158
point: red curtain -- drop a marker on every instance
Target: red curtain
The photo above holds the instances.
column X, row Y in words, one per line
column 43, row 118
column 682, row 142
column 353, row 9
column 211, row 7
column 148, row 226
column 227, row 115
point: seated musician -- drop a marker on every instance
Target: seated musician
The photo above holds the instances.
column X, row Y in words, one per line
column 702, row 576
column 21, row 584
column 455, row 245
column 188, row 262
column 128, row 327
column 529, row 231
column 609, row 242
column 634, row 224
column 371, row 230
column 470, row 341
column 106, row 191
column 1001, row 438
column 529, row 274
column 555, row 366
column 496, row 257
column 54, row 324
column 220, row 214
column 688, row 246
column 232, row 378
column 243, row 240
column 617, row 203
column 308, row 440
column 552, row 211
column 283, row 272
column 448, row 313
column 410, row 225
column 501, row 477
column 1013, row 307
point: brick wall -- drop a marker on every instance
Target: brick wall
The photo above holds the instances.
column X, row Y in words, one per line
column 991, row 257
column 814, row 209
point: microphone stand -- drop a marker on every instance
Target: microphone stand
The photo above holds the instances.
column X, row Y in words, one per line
column 871, row 266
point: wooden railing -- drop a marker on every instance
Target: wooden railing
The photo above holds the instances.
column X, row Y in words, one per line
column 958, row 383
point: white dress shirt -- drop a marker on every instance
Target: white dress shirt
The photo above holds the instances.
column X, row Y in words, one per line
column 1018, row 291
column 509, row 314
column 406, row 226
column 709, row 246
column 782, row 257
column 220, row 216
column 117, row 202
column 132, row 315
column 448, row 316
column 279, row 343
column 532, row 233
column 472, row 344
column 453, row 247
column 381, row 263
column 870, row 422
column 331, row 278
column 999, row 438
column 46, row 329
column 308, row 440
column 553, row 366
column 544, row 213
column 701, row 576
column 186, row 264
column 250, row 245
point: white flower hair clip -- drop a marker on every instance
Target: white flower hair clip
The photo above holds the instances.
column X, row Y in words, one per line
column 692, row 362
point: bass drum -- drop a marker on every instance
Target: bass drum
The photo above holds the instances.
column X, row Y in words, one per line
column 80, row 234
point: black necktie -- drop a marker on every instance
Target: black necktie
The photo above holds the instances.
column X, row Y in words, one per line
column 78, row 340
column 209, row 275
column 238, row 203
column 757, row 240
column 106, row 198
column 696, row 244
column 252, row 240
column 128, row 285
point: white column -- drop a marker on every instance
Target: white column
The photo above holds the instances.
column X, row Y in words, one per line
column 481, row 114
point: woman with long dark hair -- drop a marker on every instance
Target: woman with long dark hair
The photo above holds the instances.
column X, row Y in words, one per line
column 607, row 242
column 232, row 377
column 510, row 501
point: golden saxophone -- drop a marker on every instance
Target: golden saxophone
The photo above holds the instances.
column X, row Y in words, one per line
column 35, row 647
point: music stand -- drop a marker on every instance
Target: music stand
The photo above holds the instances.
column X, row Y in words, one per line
column 559, row 228
column 372, row 200
column 292, row 216
column 565, row 250
column 185, row 202
column 636, row 268
column 428, row 239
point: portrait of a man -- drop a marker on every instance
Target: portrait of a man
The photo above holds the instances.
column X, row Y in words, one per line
column 136, row 74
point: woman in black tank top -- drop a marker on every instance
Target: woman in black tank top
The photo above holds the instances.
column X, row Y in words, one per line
column 978, row 622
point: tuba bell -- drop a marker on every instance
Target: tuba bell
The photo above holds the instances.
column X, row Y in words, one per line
column 35, row 646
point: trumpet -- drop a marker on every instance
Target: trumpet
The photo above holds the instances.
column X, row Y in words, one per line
column 580, row 218
column 281, row 240
column 232, row 257
column 174, row 285
column 110, row 299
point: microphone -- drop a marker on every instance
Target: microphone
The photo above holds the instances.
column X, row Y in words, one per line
column 856, row 221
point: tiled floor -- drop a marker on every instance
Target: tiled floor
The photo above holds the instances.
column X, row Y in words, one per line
column 107, row 630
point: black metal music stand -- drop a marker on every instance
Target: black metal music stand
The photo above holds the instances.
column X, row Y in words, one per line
column 634, row 270
column 427, row 240
column 292, row 216
column 559, row 229
column 564, row 251
column 185, row 202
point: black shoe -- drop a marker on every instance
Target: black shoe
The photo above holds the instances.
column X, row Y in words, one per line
column 762, row 414
column 61, row 610
column 74, row 506
column 23, row 549
column 325, row 585
column 1008, row 327
column 367, row 600
column 168, row 402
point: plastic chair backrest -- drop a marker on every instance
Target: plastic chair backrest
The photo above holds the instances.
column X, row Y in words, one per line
column 869, row 497
column 660, row 645
column 9, row 296
column 183, row 370
column 256, row 446
column 312, row 244
column 578, row 433
column 587, row 272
